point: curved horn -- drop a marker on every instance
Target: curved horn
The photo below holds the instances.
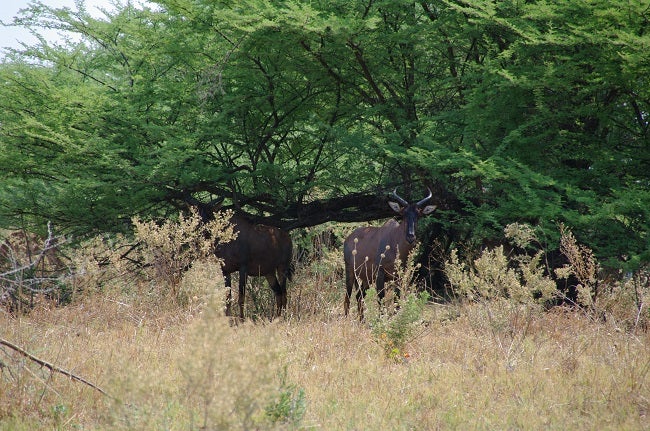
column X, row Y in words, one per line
column 399, row 200
column 423, row 201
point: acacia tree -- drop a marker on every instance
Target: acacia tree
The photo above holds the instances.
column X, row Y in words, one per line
column 300, row 112
column 560, row 120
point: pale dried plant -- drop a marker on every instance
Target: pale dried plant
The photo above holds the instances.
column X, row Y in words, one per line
column 169, row 248
column 624, row 302
column 169, row 370
column 224, row 381
column 621, row 299
column 103, row 262
column 405, row 274
column 459, row 276
column 504, row 294
column 317, row 283
column 582, row 264
column 521, row 234
column 639, row 286
column 492, row 276
column 31, row 267
column 369, row 269
column 534, row 279
column 202, row 284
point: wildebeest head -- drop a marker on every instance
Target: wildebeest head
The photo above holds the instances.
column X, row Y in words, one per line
column 410, row 212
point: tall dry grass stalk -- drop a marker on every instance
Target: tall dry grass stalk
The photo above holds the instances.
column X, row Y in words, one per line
column 317, row 287
column 399, row 319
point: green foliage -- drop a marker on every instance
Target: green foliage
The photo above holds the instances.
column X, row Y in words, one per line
column 532, row 112
column 394, row 331
column 395, row 322
column 563, row 120
column 289, row 405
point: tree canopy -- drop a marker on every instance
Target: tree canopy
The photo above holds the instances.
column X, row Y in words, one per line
column 302, row 112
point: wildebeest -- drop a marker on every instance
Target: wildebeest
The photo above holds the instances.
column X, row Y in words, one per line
column 258, row 250
column 370, row 252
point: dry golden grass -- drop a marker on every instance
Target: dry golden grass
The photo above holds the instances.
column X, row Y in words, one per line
column 188, row 368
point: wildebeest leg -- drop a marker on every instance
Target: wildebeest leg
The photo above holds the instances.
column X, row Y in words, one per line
column 381, row 278
column 228, row 281
column 350, row 281
column 361, row 294
column 283, row 296
column 242, row 291
column 280, row 290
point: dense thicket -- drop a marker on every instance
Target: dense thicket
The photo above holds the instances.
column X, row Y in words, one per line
column 301, row 112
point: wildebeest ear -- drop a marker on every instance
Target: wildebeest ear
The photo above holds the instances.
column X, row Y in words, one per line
column 429, row 209
column 395, row 206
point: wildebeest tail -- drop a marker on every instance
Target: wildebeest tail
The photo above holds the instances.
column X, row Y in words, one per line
column 291, row 268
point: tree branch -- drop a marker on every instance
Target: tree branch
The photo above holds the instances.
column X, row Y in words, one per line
column 51, row 367
column 354, row 207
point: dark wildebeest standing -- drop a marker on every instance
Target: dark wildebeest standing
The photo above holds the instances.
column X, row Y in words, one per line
column 372, row 251
column 258, row 250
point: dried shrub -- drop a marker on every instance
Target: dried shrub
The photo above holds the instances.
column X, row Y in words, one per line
column 621, row 299
column 625, row 302
column 521, row 279
column 492, row 276
column 260, row 299
column 233, row 381
column 317, row 286
column 169, row 248
column 504, row 293
column 105, row 263
column 582, row 264
column 32, row 268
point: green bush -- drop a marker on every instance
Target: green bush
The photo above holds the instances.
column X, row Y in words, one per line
column 288, row 406
column 394, row 325
column 393, row 331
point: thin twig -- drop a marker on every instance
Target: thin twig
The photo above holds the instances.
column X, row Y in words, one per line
column 50, row 243
column 51, row 367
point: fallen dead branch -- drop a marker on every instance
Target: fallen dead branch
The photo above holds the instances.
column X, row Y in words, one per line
column 49, row 366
